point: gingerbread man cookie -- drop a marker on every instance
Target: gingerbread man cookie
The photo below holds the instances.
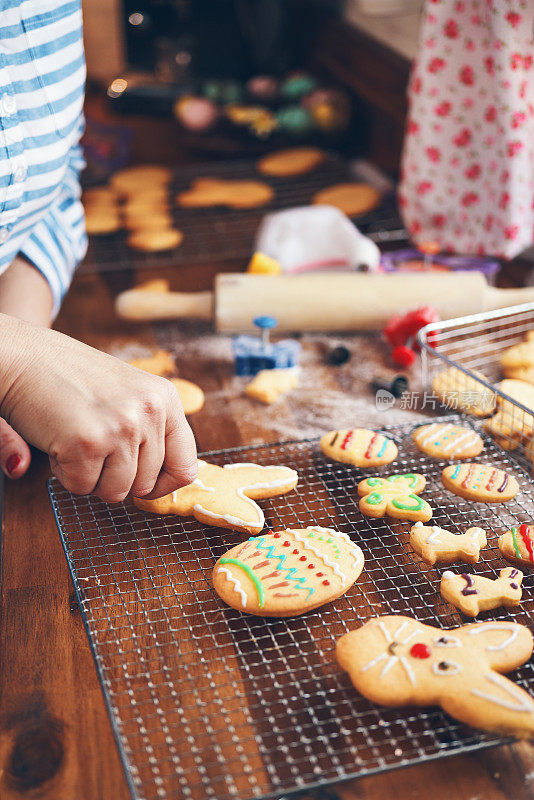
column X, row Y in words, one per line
column 396, row 661
column 395, row 497
column 480, row 483
column 224, row 496
column 444, row 440
column 436, row 544
column 359, row 447
column 473, row 593
column 517, row 545
column 286, row 573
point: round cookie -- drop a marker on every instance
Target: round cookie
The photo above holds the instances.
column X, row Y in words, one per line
column 289, row 572
column 517, row 545
column 444, row 440
column 359, row 447
column 152, row 240
column 101, row 220
column 461, row 392
column 480, row 483
column 132, row 179
column 191, row 395
column 290, row 162
column 351, row 198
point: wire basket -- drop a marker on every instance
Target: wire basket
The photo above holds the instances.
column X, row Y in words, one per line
column 462, row 370
column 218, row 234
column 209, row 702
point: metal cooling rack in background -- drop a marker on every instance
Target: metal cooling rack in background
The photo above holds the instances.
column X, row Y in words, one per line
column 208, row 702
column 218, row 234
column 472, row 346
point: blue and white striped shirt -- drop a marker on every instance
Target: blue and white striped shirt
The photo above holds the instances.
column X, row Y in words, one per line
column 42, row 77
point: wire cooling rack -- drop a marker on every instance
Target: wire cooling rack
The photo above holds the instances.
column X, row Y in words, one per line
column 218, row 234
column 462, row 357
column 209, row 702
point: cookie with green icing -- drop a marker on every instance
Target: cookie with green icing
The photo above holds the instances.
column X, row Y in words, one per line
column 396, row 496
column 286, row 573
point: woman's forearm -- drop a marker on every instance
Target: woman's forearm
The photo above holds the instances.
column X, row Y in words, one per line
column 25, row 294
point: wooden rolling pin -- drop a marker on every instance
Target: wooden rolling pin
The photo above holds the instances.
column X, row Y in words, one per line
column 341, row 301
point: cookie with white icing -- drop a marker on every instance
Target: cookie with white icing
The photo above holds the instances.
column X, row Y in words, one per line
column 472, row 594
column 359, row 447
column 481, row 483
column 444, row 440
column 395, row 661
column 395, row 496
column 286, row 573
column 435, row 544
column 225, row 496
column 517, row 545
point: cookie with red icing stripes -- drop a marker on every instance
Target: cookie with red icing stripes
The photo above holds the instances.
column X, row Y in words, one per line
column 517, row 545
column 359, row 447
column 481, row 483
column 285, row 573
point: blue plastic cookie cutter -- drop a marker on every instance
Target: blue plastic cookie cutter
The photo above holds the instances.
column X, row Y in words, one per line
column 254, row 353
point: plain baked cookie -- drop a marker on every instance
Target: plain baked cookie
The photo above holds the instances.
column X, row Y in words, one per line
column 134, row 179
column 444, row 440
column 268, row 384
column 460, row 392
column 155, row 239
column 191, row 395
column 472, row 594
column 207, row 192
column 396, row 661
column 159, row 363
column 510, row 425
column 224, row 496
column 359, row 447
column 517, row 545
column 351, row 198
column 294, row 161
column 480, row 483
column 289, row 572
column 436, row 544
column 101, row 220
column 396, row 496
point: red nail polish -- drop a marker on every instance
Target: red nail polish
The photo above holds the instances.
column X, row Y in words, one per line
column 12, row 463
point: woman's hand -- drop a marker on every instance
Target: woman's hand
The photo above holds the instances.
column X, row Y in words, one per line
column 108, row 428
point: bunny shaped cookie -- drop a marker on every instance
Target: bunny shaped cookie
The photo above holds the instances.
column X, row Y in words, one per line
column 395, row 660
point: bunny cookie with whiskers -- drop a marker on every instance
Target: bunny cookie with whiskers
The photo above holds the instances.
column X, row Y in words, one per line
column 395, row 660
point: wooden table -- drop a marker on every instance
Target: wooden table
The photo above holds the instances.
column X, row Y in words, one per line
column 55, row 737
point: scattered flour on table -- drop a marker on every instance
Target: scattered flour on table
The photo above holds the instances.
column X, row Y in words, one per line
column 327, row 396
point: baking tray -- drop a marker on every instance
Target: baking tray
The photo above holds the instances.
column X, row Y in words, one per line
column 209, row 702
column 219, row 234
column 473, row 345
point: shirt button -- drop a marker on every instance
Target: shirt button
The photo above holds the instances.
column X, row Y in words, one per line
column 19, row 173
column 9, row 104
column 4, row 235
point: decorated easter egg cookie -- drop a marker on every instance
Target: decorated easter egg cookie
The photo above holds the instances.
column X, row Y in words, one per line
column 517, row 545
column 480, row 483
column 359, row 447
column 395, row 496
column 444, row 440
column 286, row 573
